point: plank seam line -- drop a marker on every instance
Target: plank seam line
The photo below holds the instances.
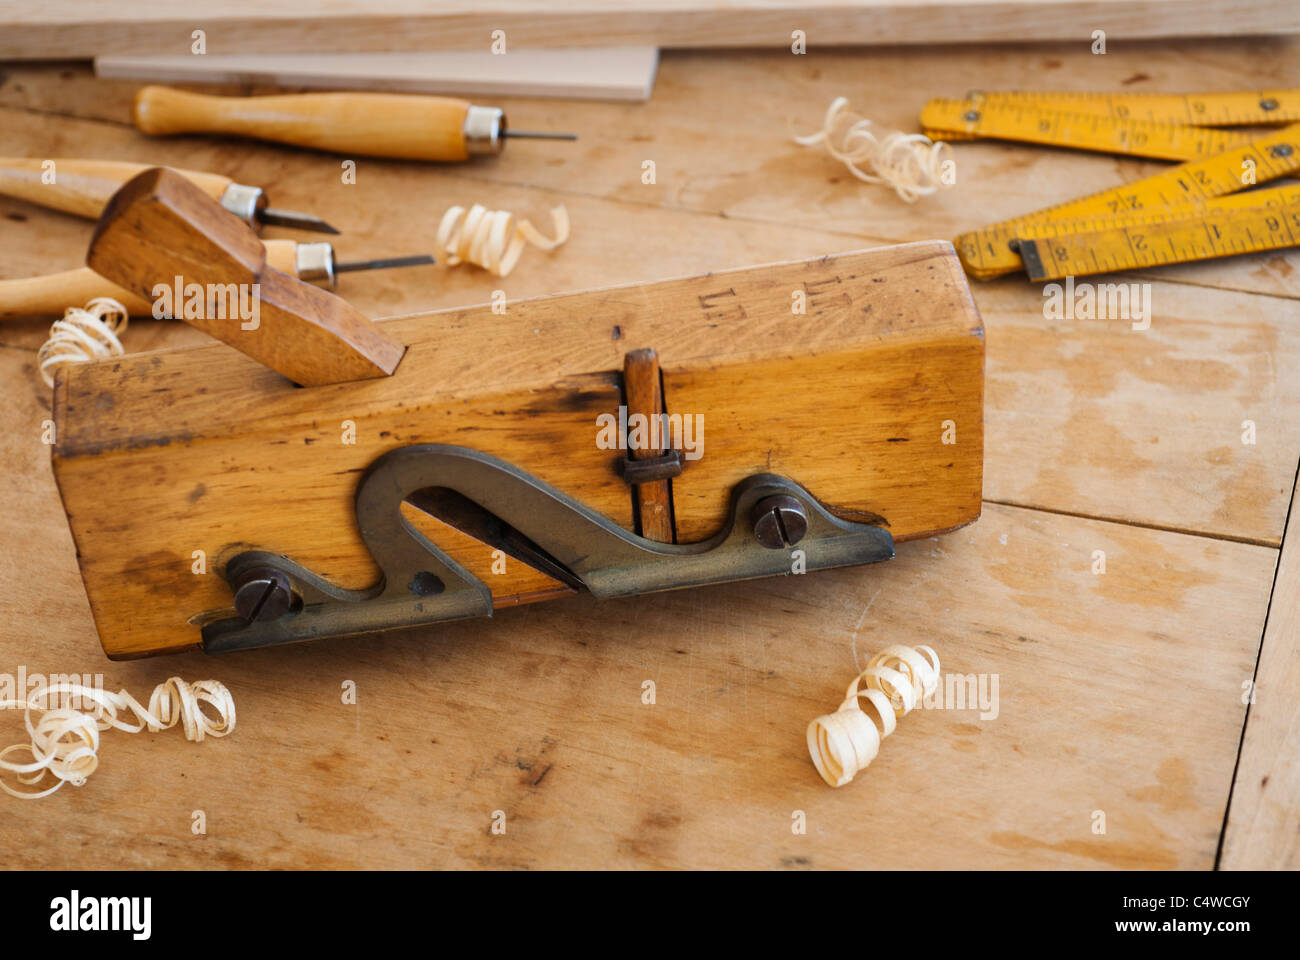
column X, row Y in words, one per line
column 1254, row 677
column 1228, row 538
column 1149, row 275
column 690, row 211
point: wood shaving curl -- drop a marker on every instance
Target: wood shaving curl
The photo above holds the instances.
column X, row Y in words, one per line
column 65, row 741
column 82, row 335
column 895, row 681
column 911, row 163
column 492, row 239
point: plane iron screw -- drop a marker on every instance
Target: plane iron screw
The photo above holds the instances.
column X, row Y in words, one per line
column 779, row 521
column 263, row 593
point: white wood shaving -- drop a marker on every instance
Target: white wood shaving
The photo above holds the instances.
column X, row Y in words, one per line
column 65, row 741
column 894, row 682
column 82, row 335
column 492, row 239
column 911, row 163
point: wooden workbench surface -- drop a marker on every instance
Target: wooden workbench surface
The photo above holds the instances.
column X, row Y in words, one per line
column 1122, row 692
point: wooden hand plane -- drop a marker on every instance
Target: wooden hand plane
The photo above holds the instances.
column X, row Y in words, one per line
column 810, row 415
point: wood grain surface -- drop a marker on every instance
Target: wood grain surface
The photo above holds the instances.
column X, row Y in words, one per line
column 1263, row 827
column 1119, row 692
column 62, row 28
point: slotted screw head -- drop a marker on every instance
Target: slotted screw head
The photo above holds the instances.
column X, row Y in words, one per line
column 779, row 521
column 263, row 593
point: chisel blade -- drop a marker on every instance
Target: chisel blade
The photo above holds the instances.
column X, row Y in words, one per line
column 385, row 263
column 294, row 219
column 512, row 134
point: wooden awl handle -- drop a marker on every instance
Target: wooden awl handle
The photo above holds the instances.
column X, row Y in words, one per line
column 405, row 126
column 83, row 187
column 162, row 231
column 53, row 293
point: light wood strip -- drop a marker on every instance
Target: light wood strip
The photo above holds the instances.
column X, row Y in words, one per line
column 599, row 73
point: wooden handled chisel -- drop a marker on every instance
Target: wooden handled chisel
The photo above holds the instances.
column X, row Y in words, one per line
column 51, row 294
column 403, row 126
column 82, row 187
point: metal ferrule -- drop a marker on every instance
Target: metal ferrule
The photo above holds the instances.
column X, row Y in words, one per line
column 244, row 202
column 315, row 262
column 484, row 130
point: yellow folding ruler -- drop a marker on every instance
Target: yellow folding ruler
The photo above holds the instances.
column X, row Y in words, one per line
column 1247, row 108
column 1190, row 212
column 1030, row 123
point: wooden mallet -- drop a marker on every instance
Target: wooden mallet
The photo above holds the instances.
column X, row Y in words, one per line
column 162, row 233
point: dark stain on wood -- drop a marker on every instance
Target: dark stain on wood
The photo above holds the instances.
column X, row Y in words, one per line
column 858, row 516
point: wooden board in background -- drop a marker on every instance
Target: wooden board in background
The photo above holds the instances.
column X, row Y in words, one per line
column 59, row 29
column 598, row 73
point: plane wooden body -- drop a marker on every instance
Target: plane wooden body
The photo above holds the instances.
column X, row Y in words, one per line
column 857, row 379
